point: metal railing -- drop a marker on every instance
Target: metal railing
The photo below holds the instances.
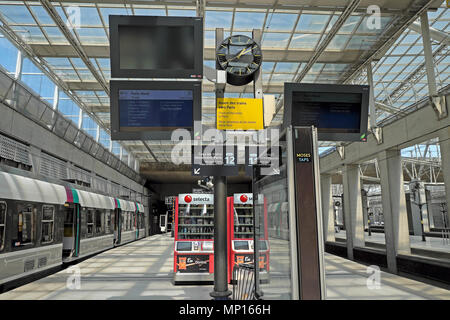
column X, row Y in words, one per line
column 18, row 96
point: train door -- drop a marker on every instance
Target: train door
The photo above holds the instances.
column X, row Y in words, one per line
column 136, row 227
column 71, row 237
column 117, row 226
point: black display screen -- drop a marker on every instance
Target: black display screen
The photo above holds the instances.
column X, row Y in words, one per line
column 328, row 111
column 150, row 109
column 241, row 245
column 156, row 47
column 184, row 246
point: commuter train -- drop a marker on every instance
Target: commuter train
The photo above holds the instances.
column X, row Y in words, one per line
column 44, row 225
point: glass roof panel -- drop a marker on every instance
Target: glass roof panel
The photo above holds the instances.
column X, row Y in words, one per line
column 282, row 77
column 16, row 14
column 30, row 34
column 361, row 42
column 78, row 63
column 248, row 20
column 218, row 19
column 312, row 22
column 332, row 22
column 304, row 41
column 338, row 43
column 267, row 66
column 182, row 13
column 286, row 67
column 275, row 40
column 58, row 62
column 42, row 15
column 335, row 67
column 93, row 35
column 350, row 24
column 88, row 16
column 280, row 22
column 55, row 36
column 106, row 12
column 149, row 12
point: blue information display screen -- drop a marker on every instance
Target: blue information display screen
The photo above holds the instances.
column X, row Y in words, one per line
column 155, row 109
column 328, row 112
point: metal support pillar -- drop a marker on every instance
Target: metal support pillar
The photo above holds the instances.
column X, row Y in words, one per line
column 429, row 61
column 221, row 291
column 377, row 131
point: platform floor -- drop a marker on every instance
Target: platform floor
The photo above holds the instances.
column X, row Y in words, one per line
column 142, row 270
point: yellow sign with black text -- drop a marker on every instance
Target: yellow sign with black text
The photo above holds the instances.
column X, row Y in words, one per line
column 239, row 114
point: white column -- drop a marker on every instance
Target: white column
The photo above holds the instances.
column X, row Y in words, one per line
column 80, row 119
column 353, row 213
column 444, row 143
column 97, row 137
column 19, row 64
column 55, row 98
column 396, row 228
column 327, row 208
column 372, row 112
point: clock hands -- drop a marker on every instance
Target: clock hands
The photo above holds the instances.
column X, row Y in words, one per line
column 243, row 51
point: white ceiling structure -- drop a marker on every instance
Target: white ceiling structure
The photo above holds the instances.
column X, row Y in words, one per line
column 322, row 41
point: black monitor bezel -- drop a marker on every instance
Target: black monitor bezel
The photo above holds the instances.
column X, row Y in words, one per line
column 364, row 90
column 116, row 85
column 116, row 20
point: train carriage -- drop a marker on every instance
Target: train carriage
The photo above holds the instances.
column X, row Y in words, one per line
column 43, row 225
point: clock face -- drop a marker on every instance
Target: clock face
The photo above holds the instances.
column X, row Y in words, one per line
column 241, row 57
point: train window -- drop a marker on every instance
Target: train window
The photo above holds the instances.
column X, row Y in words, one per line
column 48, row 216
column 130, row 219
column 122, row 221
column 90, row 223
column 3, row 207
column 108, row 221
column 99, row 221
column 26, row 226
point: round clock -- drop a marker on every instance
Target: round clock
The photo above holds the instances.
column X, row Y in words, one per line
column 240, row 56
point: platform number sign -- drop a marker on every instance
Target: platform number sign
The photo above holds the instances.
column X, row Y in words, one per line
column 221, row 163
column 251, row 159
column 230, row 159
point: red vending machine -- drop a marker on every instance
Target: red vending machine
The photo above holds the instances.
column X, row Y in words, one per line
column 194, row 243
column 240, row 235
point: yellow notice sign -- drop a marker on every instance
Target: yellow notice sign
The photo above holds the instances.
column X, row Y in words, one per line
column 239, row 114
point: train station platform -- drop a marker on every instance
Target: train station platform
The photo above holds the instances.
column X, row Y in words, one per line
column 143, row 270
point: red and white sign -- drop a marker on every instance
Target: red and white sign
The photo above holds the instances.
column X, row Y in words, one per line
column 243, row 198
column 196, row 198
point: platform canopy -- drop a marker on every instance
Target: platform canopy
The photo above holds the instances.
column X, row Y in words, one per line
column 321, row 41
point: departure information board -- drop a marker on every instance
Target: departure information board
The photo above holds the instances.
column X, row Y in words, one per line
column 329, row 112
column 339, row 112
column 155, row 109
